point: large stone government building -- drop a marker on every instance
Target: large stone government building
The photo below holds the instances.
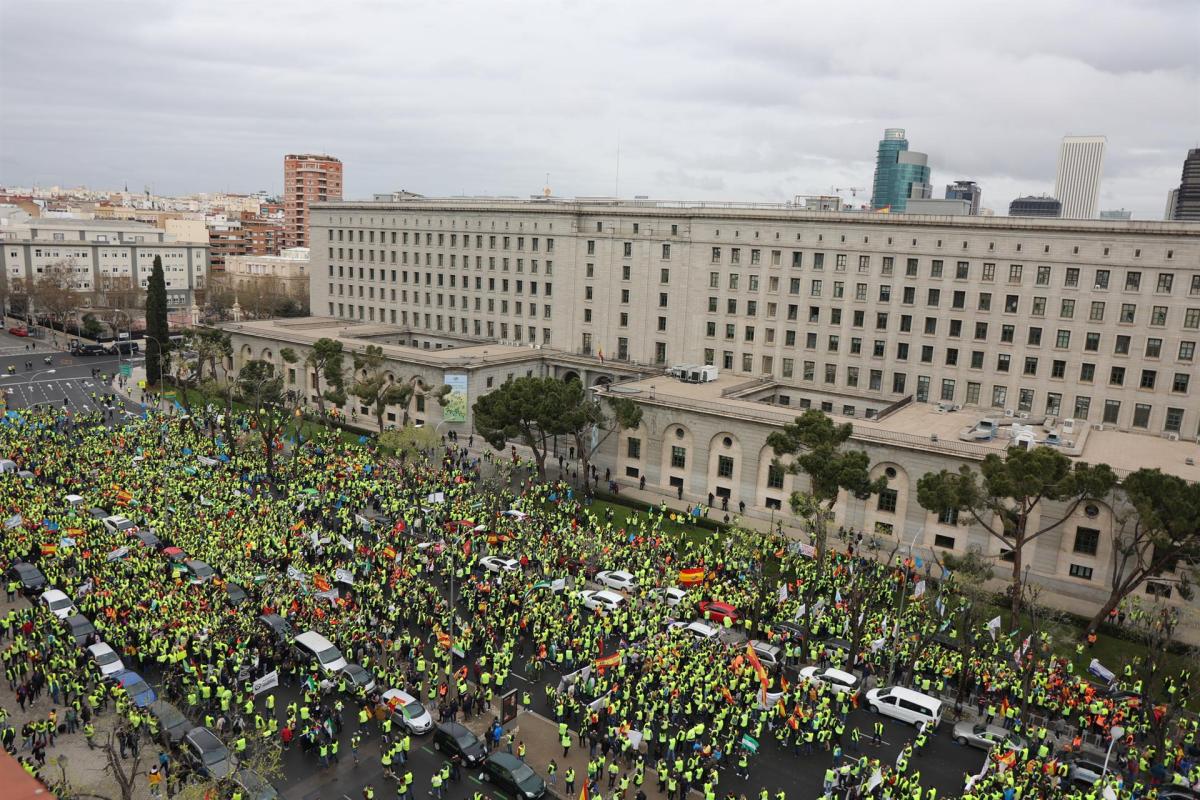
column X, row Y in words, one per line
column 1078, row 334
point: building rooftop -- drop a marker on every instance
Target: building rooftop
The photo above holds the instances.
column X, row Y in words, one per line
column 780, row 212
column 923, row 426
column 356, row 336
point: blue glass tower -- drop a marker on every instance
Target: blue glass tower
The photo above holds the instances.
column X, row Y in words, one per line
column 900, row 173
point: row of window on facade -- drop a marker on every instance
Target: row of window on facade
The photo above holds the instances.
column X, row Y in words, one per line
column 439, row 322
column 402, row 238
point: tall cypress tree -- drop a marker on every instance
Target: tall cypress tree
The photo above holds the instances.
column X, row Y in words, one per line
column 157, row 332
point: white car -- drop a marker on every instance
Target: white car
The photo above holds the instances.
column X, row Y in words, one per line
column 117, row 523
column 515, row 514
column 671, row 596
column 701, row 631
column 603, row 600
column 407, row 710
column 106, row 659
column 59, row 604
column 837, row 680
column 498, row 564
column 617, row 579
column 769, row 655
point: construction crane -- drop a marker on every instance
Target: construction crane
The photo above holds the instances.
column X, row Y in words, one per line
column 853, row 190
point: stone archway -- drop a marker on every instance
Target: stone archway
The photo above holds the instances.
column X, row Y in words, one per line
column 571, row 375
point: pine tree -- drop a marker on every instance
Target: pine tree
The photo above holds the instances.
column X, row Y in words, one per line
column 157, row 331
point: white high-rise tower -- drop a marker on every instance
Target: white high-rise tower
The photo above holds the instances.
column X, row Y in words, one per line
column 1077, row 184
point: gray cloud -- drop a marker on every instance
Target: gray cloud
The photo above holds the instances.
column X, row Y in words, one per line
column 751, row 101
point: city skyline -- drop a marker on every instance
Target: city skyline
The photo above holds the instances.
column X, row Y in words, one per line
column 700, row 106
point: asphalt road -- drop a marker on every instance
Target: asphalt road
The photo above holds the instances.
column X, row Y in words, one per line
column 67, row 377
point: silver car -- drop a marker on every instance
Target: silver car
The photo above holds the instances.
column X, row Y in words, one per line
column 985, row 737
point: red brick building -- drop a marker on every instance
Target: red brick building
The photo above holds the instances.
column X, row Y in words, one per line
column 307, row 179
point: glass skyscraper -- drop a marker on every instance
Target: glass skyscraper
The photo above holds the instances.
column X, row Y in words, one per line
column 900, row 173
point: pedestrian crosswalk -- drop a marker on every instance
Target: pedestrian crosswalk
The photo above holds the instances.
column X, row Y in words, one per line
column 52, row 391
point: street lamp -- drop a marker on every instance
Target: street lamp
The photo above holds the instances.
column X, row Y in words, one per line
column 1115, row 733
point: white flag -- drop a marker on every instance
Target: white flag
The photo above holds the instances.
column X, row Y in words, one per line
column 993, row 626
column 783, row 592
column 919, row 589
column 875, row 780
column 343, row 576
column 346, row 543
column 877, row 645
column 296, row 575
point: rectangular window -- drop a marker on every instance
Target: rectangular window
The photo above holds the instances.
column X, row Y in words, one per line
column 774, row 477
column 1133, row 281
column 1079, row 571
column 887, row 501
column 1087, row 541
column 1141, row 415
column 724, row 467
column 634, row 448
column 1174, row 420
column 1082, row 406
column 678, row 457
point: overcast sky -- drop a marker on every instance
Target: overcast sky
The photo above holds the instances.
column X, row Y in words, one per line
column 755, row 101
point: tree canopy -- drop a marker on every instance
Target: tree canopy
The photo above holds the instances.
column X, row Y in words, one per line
column 1008, row 492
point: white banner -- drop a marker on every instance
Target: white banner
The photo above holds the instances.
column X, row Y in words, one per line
column 362, row 522
column 346, row 543
column 436, row 497
column 343, row 576
column 296, row 575
column 331, row 595
column 268, row 681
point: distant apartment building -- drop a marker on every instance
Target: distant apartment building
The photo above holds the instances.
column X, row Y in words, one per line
column 285, row 274
column 105, row 256
column 1035, row 207
column 1116, row 213
column 966, row 190
column 1187, row 197
column 242, row 235
column 900, row 173
column 307, row 179
column 1077, row 182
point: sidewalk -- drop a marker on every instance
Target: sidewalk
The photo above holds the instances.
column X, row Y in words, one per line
column 69, row 756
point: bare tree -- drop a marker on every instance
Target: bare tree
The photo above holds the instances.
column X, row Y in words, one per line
column 124, row 771
column 56, row 292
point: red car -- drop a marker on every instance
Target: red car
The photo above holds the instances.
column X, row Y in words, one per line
column 19, row 330
column 716, row 611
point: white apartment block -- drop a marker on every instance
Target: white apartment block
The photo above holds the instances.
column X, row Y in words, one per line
column 104, row 255
column 1077, row 181
column 1094, row 320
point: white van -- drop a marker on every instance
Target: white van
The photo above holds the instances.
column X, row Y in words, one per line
column 906, row 705
column 314, row 645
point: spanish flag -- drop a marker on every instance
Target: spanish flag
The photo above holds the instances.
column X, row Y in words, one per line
column 613, row 660
column 759, row 670
column 691, row 576
column 49, row 549
column 583, row 794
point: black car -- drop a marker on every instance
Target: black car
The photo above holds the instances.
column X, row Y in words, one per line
column 148, row 539
column 207, row 754
column 514, row 776
column 452, row 738
column 79, row 627
column 172, row 724
column 29, row 576
column 280, row 628
column 235, row 594
column 87, row 349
